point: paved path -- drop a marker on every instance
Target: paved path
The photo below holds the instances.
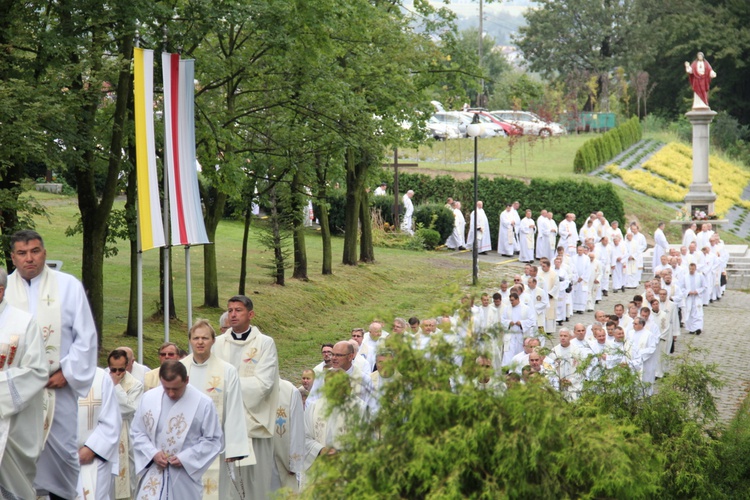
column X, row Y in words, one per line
column 723, row 341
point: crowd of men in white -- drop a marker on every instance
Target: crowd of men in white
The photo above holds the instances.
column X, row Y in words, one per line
column 216, row 423
column 221, row 423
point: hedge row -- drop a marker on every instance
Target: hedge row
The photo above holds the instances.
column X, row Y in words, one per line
column 600, row 150
column 579, row 197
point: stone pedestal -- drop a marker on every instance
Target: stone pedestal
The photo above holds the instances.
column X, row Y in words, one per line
column 700, row 193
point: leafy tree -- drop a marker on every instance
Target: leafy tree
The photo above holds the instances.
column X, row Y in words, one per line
column 580, row 34
column 86, row 53
column 492, row 68
column 588, row 36
column 440, row 434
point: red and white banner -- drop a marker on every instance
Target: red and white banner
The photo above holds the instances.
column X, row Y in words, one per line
column 186, row 215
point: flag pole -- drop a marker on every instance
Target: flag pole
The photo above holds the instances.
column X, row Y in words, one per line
column 188, row 285
column 139, row 259
column 165, row 215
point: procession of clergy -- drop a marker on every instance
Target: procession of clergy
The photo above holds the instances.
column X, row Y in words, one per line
column 221, row 423
column 215, row 423
column 579, row 266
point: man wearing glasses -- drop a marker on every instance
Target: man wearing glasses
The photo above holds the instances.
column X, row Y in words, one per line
column 168, row 350
column 128, row 391
column 325, row 350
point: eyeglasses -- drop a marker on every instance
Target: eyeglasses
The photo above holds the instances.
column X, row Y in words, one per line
column 117, row 370
column 167, row 354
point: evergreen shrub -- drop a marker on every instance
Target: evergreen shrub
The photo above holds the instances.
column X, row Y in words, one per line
column 436, row 217
column 430, row 238
column 603, row 148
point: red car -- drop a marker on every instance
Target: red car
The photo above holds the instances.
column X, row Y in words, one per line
column 486, row 116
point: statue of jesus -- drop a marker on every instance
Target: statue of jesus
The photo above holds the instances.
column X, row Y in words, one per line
column 700, row 75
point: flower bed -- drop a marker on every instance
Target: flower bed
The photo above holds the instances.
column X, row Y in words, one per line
column 674, row 162
column 649, row 184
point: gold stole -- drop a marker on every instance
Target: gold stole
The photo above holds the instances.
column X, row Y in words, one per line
column 214, row 389
column 122, row 480
column 530, row 238
column 49, row 318
column 87, row 422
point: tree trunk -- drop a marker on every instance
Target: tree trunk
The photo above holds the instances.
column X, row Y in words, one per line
column 214, row 202
column 352, row 210
column 131, row 330
column 278, row 251
column 95, row 212
column 10, row 179
column 243, row 258
column 366, row 252
column 296, row 202
column 162, row 273
column 325, row 229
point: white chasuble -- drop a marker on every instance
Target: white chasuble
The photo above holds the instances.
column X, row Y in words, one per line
column 41, row 299
column 218, row 380
column 257, row 365
column 99, row 424
column 23, row 375
column 188, row 429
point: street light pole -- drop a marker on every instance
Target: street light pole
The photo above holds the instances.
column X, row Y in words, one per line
column 474, row 130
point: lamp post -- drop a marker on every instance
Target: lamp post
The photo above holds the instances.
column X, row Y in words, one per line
column 475, row 130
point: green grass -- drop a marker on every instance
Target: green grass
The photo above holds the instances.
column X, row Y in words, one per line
column 528, row 157
column 300, row 316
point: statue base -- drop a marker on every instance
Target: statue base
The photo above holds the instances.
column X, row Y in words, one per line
column 701, row 196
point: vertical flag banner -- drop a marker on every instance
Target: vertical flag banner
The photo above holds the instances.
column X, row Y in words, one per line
column 150, row 222
column 186, row 215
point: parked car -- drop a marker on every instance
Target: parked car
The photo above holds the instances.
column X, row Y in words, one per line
column 530, row 123
column 486, row 116
column 489, row 127
column 443, row 126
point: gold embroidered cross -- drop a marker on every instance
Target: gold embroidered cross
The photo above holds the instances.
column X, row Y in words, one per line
column 49, row 300
column 90, row 403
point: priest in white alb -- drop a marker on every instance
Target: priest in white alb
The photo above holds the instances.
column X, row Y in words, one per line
column 518, row 321
column 128, row 391
column 562, row 363
column 550, row 280
column 692, row 287
column 407, row 222
column 634, row 266
column 288, row 439
column 254, row 356
column 218, row 380
column 23, row 375
column 543, row 248
column 457, row 239
column 60, row 307
column 325, row 426
column 483, row 230
column 581, row 265
column 176, row 436
column 661, row 246
column 99, row 424
column 506, row 238
column 526, row 238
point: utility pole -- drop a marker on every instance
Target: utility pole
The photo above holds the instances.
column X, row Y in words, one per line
column 480, row 97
